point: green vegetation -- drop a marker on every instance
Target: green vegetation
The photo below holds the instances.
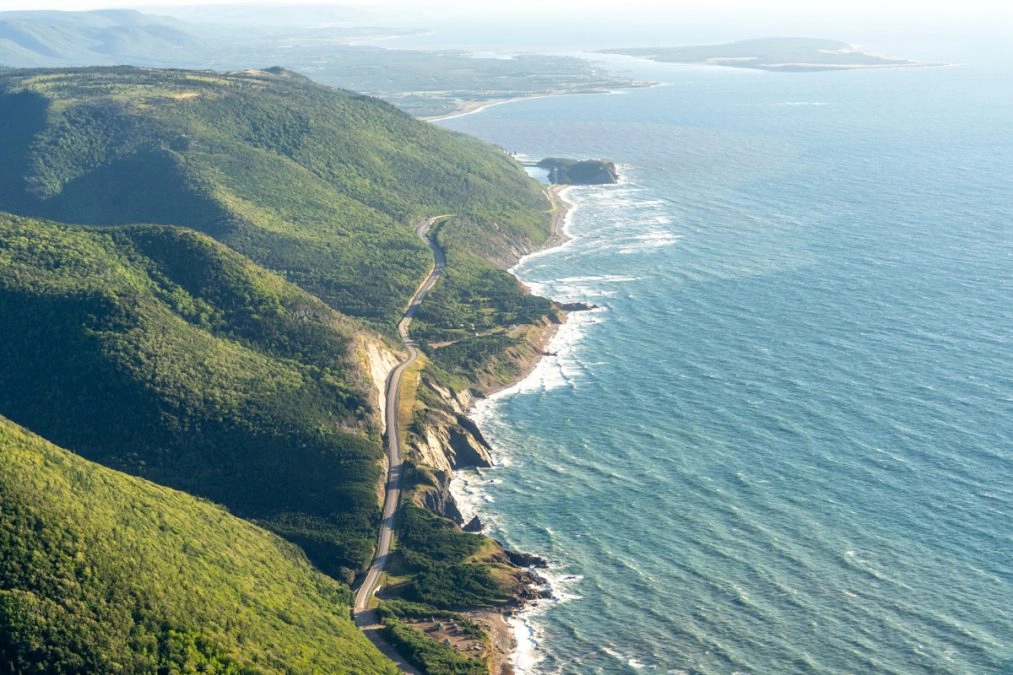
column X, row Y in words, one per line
column 318, row 184
column 414, row 611
column 426, row 653
column 103, row 573
column 439, row 557
column 470, row 313
column 152, row 350
column 217, row 347
column 160, row 352
column 473, row 296
column 579, row 172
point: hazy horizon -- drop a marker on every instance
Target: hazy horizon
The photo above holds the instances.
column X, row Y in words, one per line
column 920, row 30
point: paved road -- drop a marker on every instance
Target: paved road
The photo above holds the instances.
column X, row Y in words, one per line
column 364, row 617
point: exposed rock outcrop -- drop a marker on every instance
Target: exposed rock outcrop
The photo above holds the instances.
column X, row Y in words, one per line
column 443, row 437
column 437, row 498
column 526, row 559
column 574, row 306
column 446, row 442
column 379, row 362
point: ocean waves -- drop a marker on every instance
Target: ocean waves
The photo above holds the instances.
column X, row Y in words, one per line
column 785, row 441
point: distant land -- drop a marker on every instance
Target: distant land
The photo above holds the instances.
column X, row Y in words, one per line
column 775, row 54
column 422, row 83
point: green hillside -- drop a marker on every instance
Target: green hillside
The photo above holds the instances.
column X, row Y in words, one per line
column 192, row 265
column 318, row 184
column 48, row 38
column 157, row 351
column 104, row 573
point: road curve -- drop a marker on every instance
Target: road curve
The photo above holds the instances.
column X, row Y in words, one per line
column 393, row 491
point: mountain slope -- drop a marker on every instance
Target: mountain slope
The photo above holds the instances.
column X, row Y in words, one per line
column 319, row 184
column 205, row 351
column 52, row 38
column 159, row 352
column 100, row 572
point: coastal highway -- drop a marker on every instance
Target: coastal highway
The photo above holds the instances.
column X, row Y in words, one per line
column 363, row 617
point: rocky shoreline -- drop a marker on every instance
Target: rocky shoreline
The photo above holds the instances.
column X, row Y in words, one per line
column 448, row 440
column 502, row 634
column 444, row 439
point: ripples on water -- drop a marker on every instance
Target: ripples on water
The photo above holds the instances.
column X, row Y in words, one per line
column 784, row 442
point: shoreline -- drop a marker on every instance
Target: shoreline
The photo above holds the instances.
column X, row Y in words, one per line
column 559, row 235
column 506, row 627
column 471, row 107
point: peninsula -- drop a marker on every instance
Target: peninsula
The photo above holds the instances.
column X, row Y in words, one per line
column 775, row 54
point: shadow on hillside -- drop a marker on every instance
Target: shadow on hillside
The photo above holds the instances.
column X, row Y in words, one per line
column 22, row 117
column 148, row 186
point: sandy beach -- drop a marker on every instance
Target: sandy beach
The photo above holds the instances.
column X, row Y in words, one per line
column 472, row 107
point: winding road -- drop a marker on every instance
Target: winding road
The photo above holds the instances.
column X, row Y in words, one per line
column 365, row 618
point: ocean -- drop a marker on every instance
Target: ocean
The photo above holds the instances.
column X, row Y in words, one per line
column 783, row 443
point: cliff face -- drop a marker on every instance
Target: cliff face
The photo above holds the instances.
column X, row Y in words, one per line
column 442, row 438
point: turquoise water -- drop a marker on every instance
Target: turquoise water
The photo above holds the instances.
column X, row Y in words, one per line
column 785, row 441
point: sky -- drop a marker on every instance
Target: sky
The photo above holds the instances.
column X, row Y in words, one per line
column 886, row 24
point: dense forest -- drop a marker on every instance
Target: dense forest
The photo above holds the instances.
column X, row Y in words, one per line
column 103, row 573
column 192, row 268
column 159, row 352
column 315, row 183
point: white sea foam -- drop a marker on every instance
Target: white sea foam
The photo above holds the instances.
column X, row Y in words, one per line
column 562, row 369
column 649, row 240
column 733, row 215
column 527, row 634
column 566, row 228
column 469, row 490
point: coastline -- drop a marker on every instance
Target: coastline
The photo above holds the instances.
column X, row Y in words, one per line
column 471, row 107
column 561, row 209
column 511, row 638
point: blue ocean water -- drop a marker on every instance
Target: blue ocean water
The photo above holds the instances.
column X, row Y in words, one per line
column 784, row 443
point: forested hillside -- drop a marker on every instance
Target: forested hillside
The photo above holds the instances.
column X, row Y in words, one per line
column 193, row 268
column 105, row 573
column 318, row 184
column 158, row 351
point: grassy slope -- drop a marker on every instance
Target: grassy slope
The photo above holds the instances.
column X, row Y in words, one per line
column 160, row 352
column 101, row 572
